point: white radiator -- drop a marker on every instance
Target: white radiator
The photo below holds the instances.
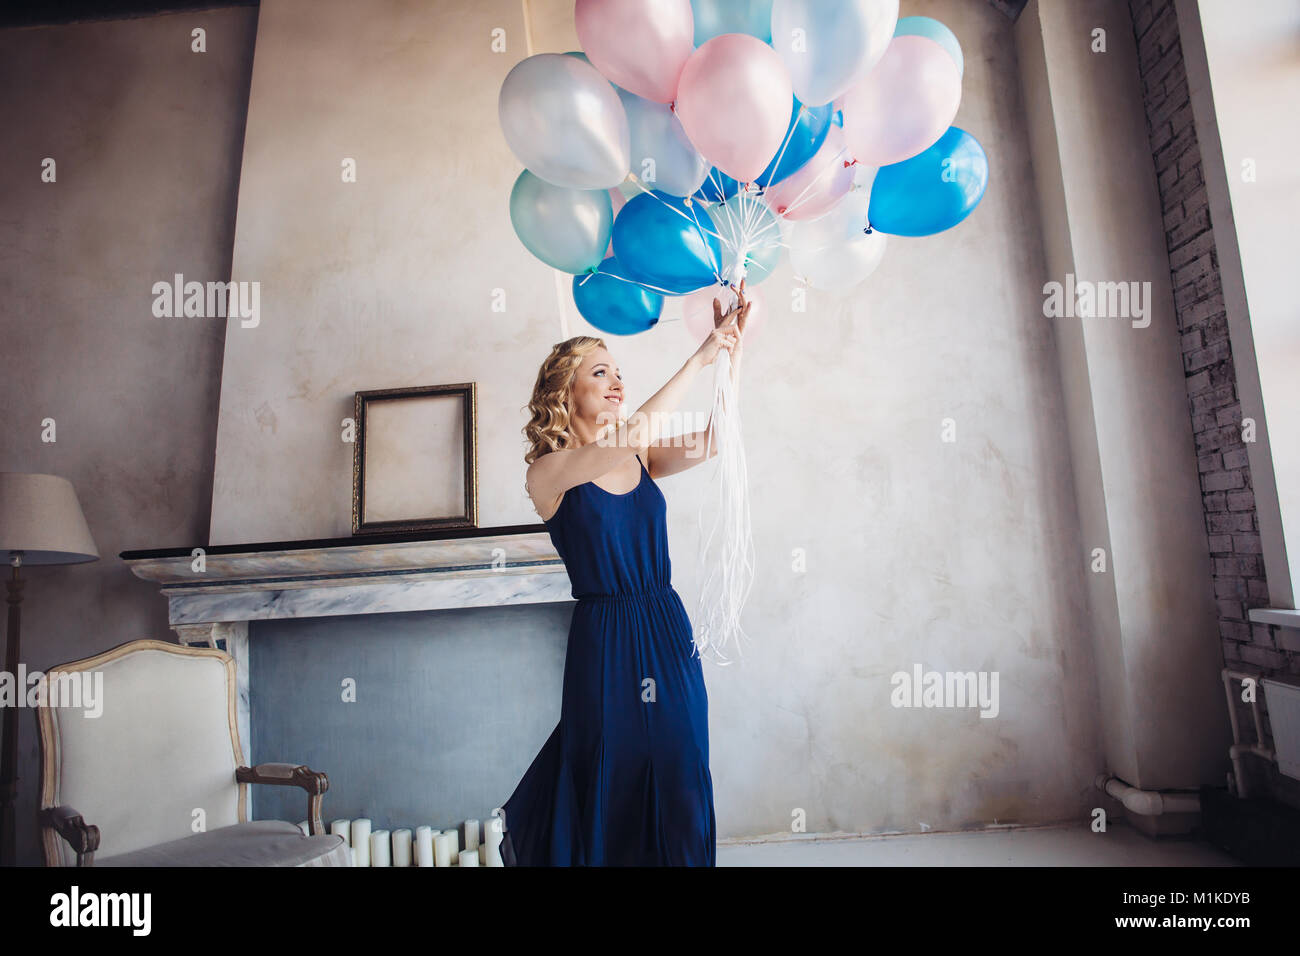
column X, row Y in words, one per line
column 1282, row 698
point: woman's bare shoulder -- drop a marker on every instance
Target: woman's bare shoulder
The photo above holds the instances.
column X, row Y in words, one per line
column 543, row 467
column 546, row 505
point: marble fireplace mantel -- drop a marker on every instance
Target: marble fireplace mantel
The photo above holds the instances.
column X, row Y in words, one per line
column 212, row 593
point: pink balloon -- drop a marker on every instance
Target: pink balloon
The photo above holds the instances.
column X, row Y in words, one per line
column 637, row 45
column 734, row 103
column 818, row 184
column 905, row 104
column 697, row 311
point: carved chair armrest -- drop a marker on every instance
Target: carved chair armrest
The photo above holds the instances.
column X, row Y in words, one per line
column 81, row 836
column 292, row 775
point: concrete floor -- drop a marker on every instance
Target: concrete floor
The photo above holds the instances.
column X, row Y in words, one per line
column 1074, row 845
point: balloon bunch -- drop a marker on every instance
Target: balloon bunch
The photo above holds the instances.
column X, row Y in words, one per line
column 694, row 140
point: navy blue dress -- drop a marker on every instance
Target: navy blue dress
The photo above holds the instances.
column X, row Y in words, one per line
column 624, row 778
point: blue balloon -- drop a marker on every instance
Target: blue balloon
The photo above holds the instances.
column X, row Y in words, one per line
column 716, row 17
column 803, row 137
column 614, row 305
column 838, row 118
column 665, row 244
column 932, row 191
column 718, row 186
column 934, row 30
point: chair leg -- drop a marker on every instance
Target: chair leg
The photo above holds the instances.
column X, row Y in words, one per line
column 314, row 823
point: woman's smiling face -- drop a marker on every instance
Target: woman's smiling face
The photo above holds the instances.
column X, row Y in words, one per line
column 598, row 394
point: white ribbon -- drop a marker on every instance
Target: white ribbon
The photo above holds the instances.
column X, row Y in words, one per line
column 728, row 563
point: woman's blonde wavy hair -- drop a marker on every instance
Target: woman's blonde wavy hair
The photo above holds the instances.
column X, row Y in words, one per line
column 548, row 427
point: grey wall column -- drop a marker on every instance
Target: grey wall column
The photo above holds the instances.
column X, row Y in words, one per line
column 1153, row 613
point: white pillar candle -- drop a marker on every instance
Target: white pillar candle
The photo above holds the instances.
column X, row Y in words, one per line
column 482, row 854
column 379, row 843
column 493, row 834
column 402, row 847
column 361, row 840
column 305, row 828
column 444, row 848
column 355, row 859
column 469, row 857
column 424, row 846
column 471, row 835
column 342, row 828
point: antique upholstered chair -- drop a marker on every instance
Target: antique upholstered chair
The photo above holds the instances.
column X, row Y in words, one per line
column 131, row 785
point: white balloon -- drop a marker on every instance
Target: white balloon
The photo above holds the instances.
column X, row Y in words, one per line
column 564, row 122
column 864, row 177
column 835, row 252
column 829, row 45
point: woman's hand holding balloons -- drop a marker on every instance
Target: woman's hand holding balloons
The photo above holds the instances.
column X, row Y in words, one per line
column 739, row 314
column 725, row 335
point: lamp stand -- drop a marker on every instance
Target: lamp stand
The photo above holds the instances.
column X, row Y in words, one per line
column 9, row 758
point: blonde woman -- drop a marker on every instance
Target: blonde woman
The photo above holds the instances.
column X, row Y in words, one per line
column 624, row 778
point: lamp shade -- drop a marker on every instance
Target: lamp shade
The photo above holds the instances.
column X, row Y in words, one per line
column 41, row 517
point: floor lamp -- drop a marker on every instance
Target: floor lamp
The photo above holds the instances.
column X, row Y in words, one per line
column 40, row 523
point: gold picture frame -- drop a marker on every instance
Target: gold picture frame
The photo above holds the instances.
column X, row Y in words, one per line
column 401, row 482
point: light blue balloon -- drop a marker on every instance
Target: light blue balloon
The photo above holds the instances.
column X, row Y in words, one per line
column 934, row 30
column 659, row 241
column 932, row 191
column 716, row 17
column 568, row 229
column 614, row 305
column 762, row 252
column 662, row 154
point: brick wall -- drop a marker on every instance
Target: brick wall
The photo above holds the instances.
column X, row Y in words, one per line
column 1231, row 523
